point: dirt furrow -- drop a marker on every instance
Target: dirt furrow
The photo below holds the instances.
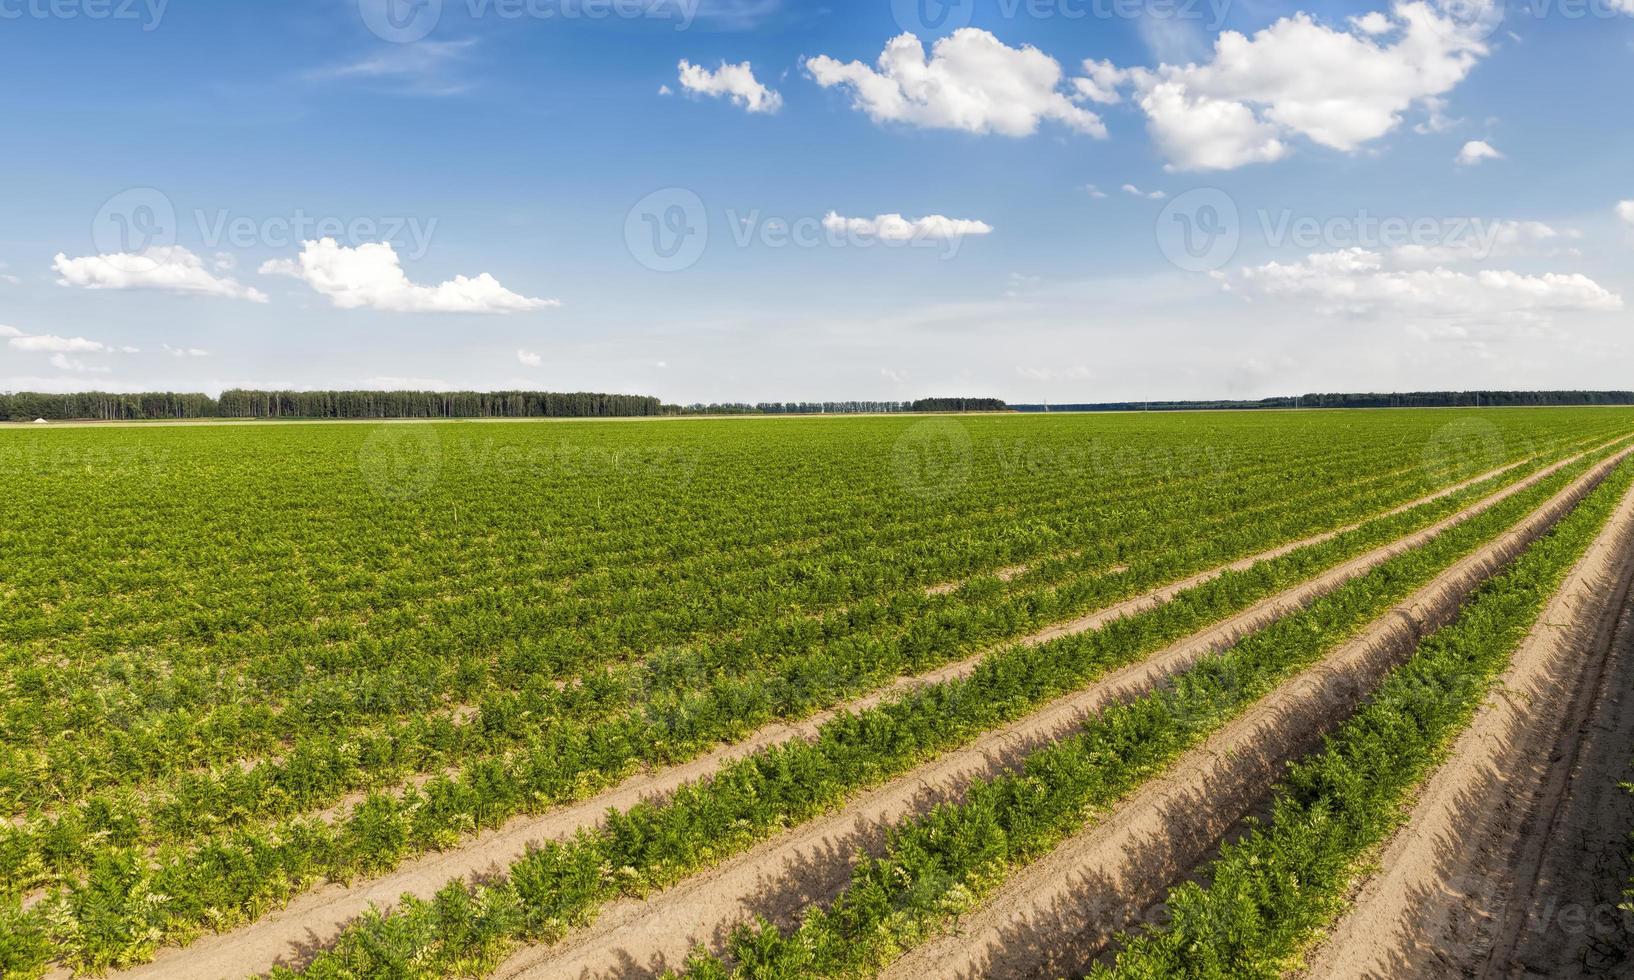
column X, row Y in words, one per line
column 1156, row 598
column 1057, row 915
column 813, row 863
column 1475, row 883
column 314, row 919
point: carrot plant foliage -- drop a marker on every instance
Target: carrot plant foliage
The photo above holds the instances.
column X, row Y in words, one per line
column 239, row 661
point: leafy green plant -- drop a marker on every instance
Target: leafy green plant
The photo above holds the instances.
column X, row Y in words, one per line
column 1270, row 894
column 934, row 866
column 211, row 636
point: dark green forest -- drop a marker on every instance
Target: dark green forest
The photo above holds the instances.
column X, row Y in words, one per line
column 242, row 404
column 1411, row 399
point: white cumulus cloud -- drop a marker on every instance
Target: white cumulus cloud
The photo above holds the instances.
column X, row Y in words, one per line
column 735, row 82
column 530, row 358
column 1359, row 282
column 169, row 268
column 1475, row 151
column 1339, row 88
column 972, row 82
column 896, row 228
column 371, row 276
column 1625, row 209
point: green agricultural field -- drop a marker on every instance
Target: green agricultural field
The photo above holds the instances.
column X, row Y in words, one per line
column 241, row 663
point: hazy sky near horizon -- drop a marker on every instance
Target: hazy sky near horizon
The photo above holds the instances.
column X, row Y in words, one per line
column 1063, row 200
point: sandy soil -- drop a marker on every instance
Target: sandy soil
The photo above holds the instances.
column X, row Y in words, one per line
column 1515, row 853
column 1056, row 915
column 780, row 878
column 292, row 934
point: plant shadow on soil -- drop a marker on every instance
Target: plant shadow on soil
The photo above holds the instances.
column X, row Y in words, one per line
column 1082, row 927
column 815, row 875
column 1532, row 891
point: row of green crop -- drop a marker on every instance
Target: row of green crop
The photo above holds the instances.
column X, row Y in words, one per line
column 587, row 554
column 939, row 866
column 235, row 547
column 127, row 904
column 331, row 545
column 1271, row 893
column 331, row 636
column 561, row 885
column 907, row 634
column 226, row 712
column 240, row 725
column 236, row 721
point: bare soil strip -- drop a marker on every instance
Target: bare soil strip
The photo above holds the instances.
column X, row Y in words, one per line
column 1058, row 914
column 314, row 919
column 1152, row 600
column 1514, row 855
column 813, row 863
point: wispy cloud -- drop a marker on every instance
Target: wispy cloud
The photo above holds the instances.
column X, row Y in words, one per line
column 434, row 68
column 736, row 15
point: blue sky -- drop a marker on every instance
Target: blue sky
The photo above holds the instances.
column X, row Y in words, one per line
column 167, row 164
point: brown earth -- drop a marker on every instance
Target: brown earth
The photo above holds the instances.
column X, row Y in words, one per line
column 312, row 920
column 1514, row 856
column 780, row 878
column 1057, row 915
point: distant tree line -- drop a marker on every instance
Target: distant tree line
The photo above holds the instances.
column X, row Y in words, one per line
column 843, row 408
column 28, row 406
column 241, row 403
column 1412, row 399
